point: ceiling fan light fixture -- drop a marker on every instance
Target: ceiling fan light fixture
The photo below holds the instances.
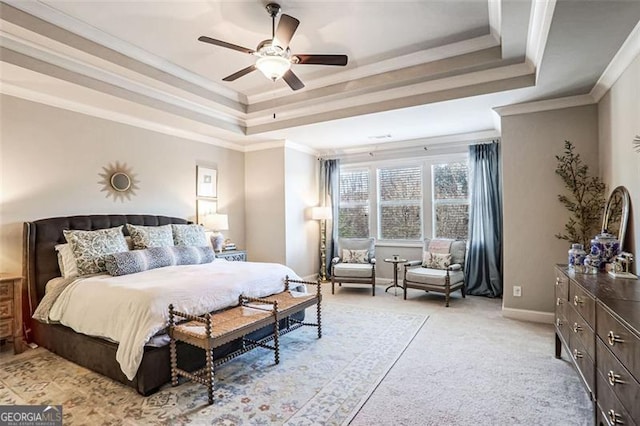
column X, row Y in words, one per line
column 273, row 67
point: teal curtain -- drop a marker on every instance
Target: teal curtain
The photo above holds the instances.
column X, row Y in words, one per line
column 483, row 267
column 330, row 196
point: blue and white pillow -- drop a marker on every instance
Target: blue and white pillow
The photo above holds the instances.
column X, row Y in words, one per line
column 189, row 235
column 144, row 237
column 91, row 247
column 131, row 262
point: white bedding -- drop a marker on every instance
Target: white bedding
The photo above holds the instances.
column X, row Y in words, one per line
column 130, row 309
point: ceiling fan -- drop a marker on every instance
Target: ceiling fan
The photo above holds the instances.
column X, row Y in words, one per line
column 274, row 57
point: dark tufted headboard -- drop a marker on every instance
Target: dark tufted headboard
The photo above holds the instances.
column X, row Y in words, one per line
column 41, row 236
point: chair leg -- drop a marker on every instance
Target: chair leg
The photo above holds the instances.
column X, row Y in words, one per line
column 333, row 287
column 464, row 291
column 404, row 288
column 373, row 289
column 446, row 305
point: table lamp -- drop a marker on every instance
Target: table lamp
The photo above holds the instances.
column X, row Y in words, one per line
column 217, row 222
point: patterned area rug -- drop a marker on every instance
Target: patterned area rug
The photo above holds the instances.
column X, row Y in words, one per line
column 317, row 381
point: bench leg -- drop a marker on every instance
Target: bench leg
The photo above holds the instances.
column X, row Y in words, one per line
column 319, row 322
column 174, row 362
column 276, row 341
column 210, row 377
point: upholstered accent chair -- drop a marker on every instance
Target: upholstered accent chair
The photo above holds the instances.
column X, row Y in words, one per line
column 441, row 269
column 355, row 263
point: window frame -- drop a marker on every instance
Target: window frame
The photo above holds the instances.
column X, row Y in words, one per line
column 348, row 204
column 427, row 208
column 380, row 203
column 434, row 202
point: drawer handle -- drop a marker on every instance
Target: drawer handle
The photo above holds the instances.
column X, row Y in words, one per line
column 577, row 354
column 613, row 338
column 577, row 301
column 613, row 378
column 615, row 418
column 576, row 327
column 558, row 301
column 558, row 322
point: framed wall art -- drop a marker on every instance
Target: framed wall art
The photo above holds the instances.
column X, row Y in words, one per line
column 205, row 208
column 207, row 182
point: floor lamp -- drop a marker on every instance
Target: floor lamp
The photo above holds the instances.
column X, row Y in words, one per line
column 322, row 214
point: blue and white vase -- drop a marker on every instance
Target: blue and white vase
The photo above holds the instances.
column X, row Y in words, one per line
column 576, row 258
column 606, row 247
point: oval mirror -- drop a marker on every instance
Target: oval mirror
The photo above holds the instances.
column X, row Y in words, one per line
column 120, row 181
column 616, row 214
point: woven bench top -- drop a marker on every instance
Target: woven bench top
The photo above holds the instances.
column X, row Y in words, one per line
column 243, row 319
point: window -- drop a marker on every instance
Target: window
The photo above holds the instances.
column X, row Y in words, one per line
column 353, row 214
column 400, row 203
column 450, row 200
column 405, row 201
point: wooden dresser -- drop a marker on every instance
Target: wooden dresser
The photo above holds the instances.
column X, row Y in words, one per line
column 597, row 322
column 11, row 310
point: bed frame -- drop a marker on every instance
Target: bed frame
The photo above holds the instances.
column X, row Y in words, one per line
column 41, row 265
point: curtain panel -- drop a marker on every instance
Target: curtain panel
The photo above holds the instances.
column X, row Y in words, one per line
column 329, row 197
column 483, row 267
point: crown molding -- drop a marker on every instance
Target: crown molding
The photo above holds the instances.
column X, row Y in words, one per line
column 628, row 52
column 119, row 117
column 539, row 25
column 546, row 105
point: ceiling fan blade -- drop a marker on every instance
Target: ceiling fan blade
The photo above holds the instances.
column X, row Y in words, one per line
column 242, row 72
column 286, row 28
column 292, row 80
column 338, row 60
column 221, row 43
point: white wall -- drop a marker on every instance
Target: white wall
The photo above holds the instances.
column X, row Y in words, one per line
column 50, row 160
column 532, row 213
column 618, row 123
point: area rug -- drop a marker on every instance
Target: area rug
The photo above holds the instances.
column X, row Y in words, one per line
column 318, row 381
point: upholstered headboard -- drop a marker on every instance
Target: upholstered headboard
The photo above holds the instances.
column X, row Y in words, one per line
column 41, row 236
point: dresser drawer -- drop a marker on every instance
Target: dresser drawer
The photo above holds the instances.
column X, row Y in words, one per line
column 585, row 365
column 6, row 290
column 611, row 408
column 618, row 379
column 622, row 342
column 562, row 286
column 6, row 328
column 583, row 303
column 6, row 309
column 562, row 324
column 580, row 331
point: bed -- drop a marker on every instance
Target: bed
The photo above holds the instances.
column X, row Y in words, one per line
column 99, row 354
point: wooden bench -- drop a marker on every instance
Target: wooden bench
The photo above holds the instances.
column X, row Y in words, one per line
column 217, row 328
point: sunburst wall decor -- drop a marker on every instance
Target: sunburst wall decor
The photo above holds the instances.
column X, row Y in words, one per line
column 118, row 181
column 636, row 143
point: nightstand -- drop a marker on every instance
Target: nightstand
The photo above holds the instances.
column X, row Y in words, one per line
column 11, row 310
column 233, row 255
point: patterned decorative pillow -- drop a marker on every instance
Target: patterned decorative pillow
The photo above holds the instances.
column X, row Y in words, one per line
column 355, row 256
column 91, row 247
column 440, row 260
column 66, row 261
column 144, row 237
column 135, row 261
column 189, row 235
column 426, row 259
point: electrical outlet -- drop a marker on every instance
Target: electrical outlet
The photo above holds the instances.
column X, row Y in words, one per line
column 517, row 291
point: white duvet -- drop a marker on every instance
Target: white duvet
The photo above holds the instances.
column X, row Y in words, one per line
column 130, row 309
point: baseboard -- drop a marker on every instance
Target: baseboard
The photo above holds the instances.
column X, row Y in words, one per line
column 312, row 277
column 527, row 315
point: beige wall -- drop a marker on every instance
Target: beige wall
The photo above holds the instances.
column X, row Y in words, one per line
column 265, row 205
column 532, row 213
column 618, row 123
column 51, row 158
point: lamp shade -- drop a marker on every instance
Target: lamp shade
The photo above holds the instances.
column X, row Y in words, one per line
column 216, row 222
column 273, row 67
column 320, row 213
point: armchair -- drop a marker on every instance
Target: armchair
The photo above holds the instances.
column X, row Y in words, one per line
column 355, row 263
column 441, row 269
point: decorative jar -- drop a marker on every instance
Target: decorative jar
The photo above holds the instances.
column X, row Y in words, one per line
column 606, row 247
column 576, row 257
column 591, row 264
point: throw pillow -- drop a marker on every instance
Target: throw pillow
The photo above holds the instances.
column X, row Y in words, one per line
column 440, row 260
column 144, row 237
column 66, row 261
column 189, row 235
column 426, row 259
column 91, row 247
column 355, row 256
column 135, row 261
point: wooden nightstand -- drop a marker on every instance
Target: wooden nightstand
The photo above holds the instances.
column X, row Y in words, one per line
column 233, row 255
column 11, row 310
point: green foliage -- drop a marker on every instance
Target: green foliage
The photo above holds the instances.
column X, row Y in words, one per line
column 585, row 201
